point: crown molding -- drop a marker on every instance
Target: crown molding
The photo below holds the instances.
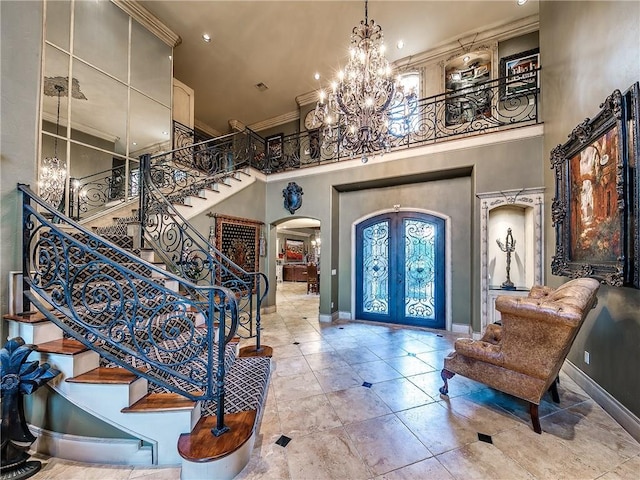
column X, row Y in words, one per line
column 81, row 127
column 237, row 125
column 307, row 98
column 274, row 121
column 496, row 34
column 149, row 21
column 206, row 128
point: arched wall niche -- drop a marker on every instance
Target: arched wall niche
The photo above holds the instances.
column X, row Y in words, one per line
column 521, row 210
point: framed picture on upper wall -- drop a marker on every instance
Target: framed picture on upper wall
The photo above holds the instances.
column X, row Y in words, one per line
column 632, row 96
column 294, row 250
column 590, row 211
column 520, row 73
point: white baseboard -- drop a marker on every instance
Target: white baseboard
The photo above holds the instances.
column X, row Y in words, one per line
column 113, row 451
column 613, row 407
column 269, row 309
column 460, row 328
column 344, row 315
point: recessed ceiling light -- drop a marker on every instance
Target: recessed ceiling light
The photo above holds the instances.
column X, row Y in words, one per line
column 170, row 57
column 135, row 143
column 165, row 133
column 400, row 44
column 466, row 58
column 206, row 37
column 521, row 2
column 317, row 76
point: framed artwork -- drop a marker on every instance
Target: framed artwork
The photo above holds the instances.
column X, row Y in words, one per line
column 238, row 239
column 590, row 211
column 294, row 250
column 274, row 146
column 520, row 73
column 632, row 97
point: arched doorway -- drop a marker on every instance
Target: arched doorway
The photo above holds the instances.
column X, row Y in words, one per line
column 400, row 269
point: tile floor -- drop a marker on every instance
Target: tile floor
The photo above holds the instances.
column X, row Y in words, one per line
column 399, row 427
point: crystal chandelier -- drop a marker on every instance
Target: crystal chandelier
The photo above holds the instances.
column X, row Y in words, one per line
column 53, row 172
column 355, row 113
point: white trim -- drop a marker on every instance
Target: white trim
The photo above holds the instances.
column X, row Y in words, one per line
column 461, row 328
column 485, row 139
column 447, row 250
column 149, row 21
column 111, row 451
column 275, row 121
column 613, row 407
column 342, row 315
column 329, row 317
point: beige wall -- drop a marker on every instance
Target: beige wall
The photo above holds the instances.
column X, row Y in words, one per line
column 600, row 52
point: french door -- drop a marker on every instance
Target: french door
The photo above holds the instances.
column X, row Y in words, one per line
column 400, row 262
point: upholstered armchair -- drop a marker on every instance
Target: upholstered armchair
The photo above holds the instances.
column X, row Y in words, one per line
column 523, row 355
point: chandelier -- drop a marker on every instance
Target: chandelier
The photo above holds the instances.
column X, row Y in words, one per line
column 53, row 172
column 355, row 114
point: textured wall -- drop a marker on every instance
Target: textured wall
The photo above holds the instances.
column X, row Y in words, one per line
column 588, row 49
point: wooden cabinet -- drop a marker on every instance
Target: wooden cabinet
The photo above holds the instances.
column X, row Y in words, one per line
column 294, row 273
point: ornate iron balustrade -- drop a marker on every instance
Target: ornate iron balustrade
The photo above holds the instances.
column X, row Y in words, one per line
column 470, row 111
column 181, row 246
column 127, row 310
column 93, row 193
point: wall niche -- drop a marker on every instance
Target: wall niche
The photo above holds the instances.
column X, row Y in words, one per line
column 522, row 212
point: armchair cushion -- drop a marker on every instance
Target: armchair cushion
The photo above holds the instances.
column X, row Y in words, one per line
column 523, row 356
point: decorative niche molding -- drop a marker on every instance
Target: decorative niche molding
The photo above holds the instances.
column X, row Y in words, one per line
column 522, row 210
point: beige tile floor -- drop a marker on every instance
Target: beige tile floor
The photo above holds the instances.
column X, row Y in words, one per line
column 400, row 427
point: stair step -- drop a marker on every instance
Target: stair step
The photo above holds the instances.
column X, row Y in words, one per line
column 251, row 351
column 29, row 317
column 116, row 375
column 157, row 402
column 64, row 346
column 202, row 446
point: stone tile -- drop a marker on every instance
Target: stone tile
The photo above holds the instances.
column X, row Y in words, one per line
column 295, row 386
column 430, row 469
column 325, row 455
column 401, row 394
column 315, row 347
column 357, row 355
column 387, row 350
column 544, row 456
column 346, row 342
column 484, row 417
column 357, row 404
column 412, row 345
column 439, row 429
column 627, row 470
column 386, row 444
column 268, row 460
column 141, row 473
column 59, row 469
column 285, row 367
column 324, row 360
column 409, row 365
column 480, row 461
column 307, row 415
column 286, row 351
column 374, row 372
column 341, row 378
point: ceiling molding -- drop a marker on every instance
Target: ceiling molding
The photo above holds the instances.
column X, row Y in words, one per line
column 206, row 128
column 307, row 98
column 81, row 127
column 275, row 121
column 496, row 34
column 149, row 21
column 237, row 125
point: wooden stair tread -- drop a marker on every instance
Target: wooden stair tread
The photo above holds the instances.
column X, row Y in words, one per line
column 158, row 402
column 28, row 317
column 202, row 446
column 64, row 346
column 112, row 376
column 250, row 351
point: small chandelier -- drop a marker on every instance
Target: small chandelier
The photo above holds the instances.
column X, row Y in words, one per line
column 355, row 113
column 53, row 172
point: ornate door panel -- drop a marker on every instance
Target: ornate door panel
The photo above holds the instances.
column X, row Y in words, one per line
column 400, row 269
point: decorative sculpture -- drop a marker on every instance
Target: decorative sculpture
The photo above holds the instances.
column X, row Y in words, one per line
column 17, row 379
column 292, row 197
column 509, row 246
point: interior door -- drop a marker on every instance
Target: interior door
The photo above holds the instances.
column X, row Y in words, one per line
column 400, row 269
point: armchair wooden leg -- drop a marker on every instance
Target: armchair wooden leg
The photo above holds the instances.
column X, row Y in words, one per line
column 445, row 375
column 535, row 419
column 554, row 392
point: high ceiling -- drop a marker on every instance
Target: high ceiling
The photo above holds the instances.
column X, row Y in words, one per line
column 283, row 43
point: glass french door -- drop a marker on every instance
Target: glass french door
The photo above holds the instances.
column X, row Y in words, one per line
column 400, row 263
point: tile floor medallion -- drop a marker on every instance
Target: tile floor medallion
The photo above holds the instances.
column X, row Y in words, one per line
column 399, row 427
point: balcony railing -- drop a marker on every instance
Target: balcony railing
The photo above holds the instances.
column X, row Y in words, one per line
column 488, row 107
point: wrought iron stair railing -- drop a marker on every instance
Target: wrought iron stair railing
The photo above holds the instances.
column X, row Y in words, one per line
column 93, row 193
column 167, row 179
column 133, row 313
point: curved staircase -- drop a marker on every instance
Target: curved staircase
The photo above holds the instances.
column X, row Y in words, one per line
column 139, row 347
